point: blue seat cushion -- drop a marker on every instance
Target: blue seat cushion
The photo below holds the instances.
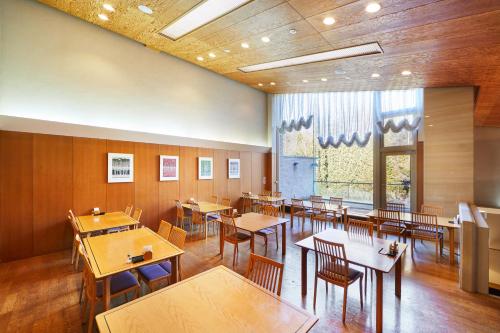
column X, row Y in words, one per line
column 166, row 265
column 119, row 282
column 152, row 272
column 213, row 217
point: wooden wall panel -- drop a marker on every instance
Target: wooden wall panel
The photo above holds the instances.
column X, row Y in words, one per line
column 205, row 186
column 52, row 192
column 269, row 171
column 16, row 196
column 119, row 195
column 220, row 173
column 246, row 171
column 146, row 181
column 168, row 190
column 258, row 165
column 188, row 176
column 89, row 175
column 234, row 185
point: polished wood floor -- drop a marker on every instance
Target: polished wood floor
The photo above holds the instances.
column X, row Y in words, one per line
column 41, row 294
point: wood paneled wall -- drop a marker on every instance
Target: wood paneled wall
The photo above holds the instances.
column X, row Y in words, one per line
column 42, row 176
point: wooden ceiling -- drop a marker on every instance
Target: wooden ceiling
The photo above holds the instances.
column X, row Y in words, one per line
column 442, row 42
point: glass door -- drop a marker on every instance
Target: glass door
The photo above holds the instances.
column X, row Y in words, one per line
column 399, row 179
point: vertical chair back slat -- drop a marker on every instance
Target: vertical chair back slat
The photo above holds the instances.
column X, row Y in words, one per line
column 229, row 225
column 137, row 214
column 177, row 237
column 360, row 228
column 164, row 229
column 424, row 222
column 331, row 262
column 397, row 206
column 432, row 210
column 266, row 273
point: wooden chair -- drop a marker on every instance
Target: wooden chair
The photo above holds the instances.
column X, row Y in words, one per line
column 432, row 210
column 397, row 206
column 266, row 273
column 164, row 229
column 389, row 223
column 75, row 255
column 271, row 211
column 178, row 238
column 322, row 217
column 336, row 201
column 361, row 231
column 315, row 198
column 153, row 275
column 247, row 203
column 280, row 206
column 259, row 205
column 197, row 218
column 181, row 215
column 121, row 284
column 232, row 235
column 266, row 193
column 137, row 214
column 128, row 210
column 214, row 199
column 332, row 267
column 297, row 209
column 425, row 227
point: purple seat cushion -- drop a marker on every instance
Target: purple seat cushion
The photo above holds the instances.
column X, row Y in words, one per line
column 213, row 217
column 166, row 265
column 119, row 282
column 152, row 272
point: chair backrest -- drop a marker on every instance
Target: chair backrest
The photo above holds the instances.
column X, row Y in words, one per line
column 214, row 199
column 277, row 194
column 137, row 214
column 177, row 237
column 432, row 210
column 400, row 207
column 336, row 201
column 299, row 203
column 73, row 225
column 72, row 214
column 128, row 210
column 316, row 198
column 229, row 225
column 226, row 202
column 331, row 262
column 265, row 272
column 89, row 280
column 245, row 194
column 179, row 210
column 197, row 217
column 424, row 222
column 271, row 210
column 318, row 207
column 266, row 193
column 389, row 215
column 360, row 228
column 164, row 229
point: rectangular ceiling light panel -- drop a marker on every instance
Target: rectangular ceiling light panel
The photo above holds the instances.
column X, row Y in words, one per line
column 348, row 52
column 198, row 16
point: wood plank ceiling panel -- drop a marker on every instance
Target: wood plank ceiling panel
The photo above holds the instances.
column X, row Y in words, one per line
column 443, row 42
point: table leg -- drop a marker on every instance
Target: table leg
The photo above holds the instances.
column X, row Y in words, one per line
column 303, row 270
column 397, row 280
column 107, row 293
column 451, row 233
column 221, row 241
column 283, row 208
column 175, row 273
column 283, row 238
column 206, row 226
column 345, row 219
column 252, row 242
column 379, row 303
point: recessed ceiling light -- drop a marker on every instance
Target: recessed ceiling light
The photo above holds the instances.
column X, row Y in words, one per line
column 108, row 7
column 347, row 78
column 324, row 79
column 375, row 75
column 265, row 39
column 272, row 83
column 366, row 49
column 211, row 55
column 405, row 73
column 103, row 17
column 227, row 51
column 328, row 21
column 431, row 125
column 200, row 15
column 200, row 58
column 339, row 72
column 245, row 45
column 260, row 84
column 427, row 116
column 292, row 31
column 145, row 9
column 372, row 7
column 305, row 81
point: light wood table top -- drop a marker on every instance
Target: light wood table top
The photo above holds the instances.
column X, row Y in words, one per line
column 91, row 223
column 254, row 222
column 108, row 254
column 208, row 207
column 359, row 250
column 328, row 206
column 265, row 198
column 441, row 221
column 198, row 305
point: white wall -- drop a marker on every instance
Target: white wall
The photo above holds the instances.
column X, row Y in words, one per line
column 59, row 68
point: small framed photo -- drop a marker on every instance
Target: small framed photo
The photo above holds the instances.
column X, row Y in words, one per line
column 233, row 167
column 205, row 168
column 169, row 167
column 120, row 168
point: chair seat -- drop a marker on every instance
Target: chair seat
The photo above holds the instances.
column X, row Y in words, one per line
column 213, row 217
column 352, row 275
column 119, row 282
column 239, row 236
column 266, row 232
column 166, row 265
column 152, row 272
column 392, row 229
column 425, row 234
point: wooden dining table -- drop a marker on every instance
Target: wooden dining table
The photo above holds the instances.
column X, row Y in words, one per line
column 108, row 254
column 444, row 222
column 198, row 305
column 361, row 251
column 330, row 208
column 253, row 222
column 92, row 223
column 206, row 208
column 269, row 199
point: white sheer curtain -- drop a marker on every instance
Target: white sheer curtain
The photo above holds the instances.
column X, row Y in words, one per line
column 398, row 109
column 293, row 111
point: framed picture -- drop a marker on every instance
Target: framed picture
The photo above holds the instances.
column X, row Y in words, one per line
column 120, row 168
column 205, row 168
column 233, row 167
column 169, row 167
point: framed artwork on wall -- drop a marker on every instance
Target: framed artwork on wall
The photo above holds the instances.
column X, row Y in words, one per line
column 120, row 168
column 205, row 168
column 233, row 167
column 169, row 167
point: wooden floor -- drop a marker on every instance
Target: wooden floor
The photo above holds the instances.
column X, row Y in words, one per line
column 41, row 294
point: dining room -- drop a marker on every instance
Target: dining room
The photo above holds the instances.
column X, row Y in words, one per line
column 249, row 166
